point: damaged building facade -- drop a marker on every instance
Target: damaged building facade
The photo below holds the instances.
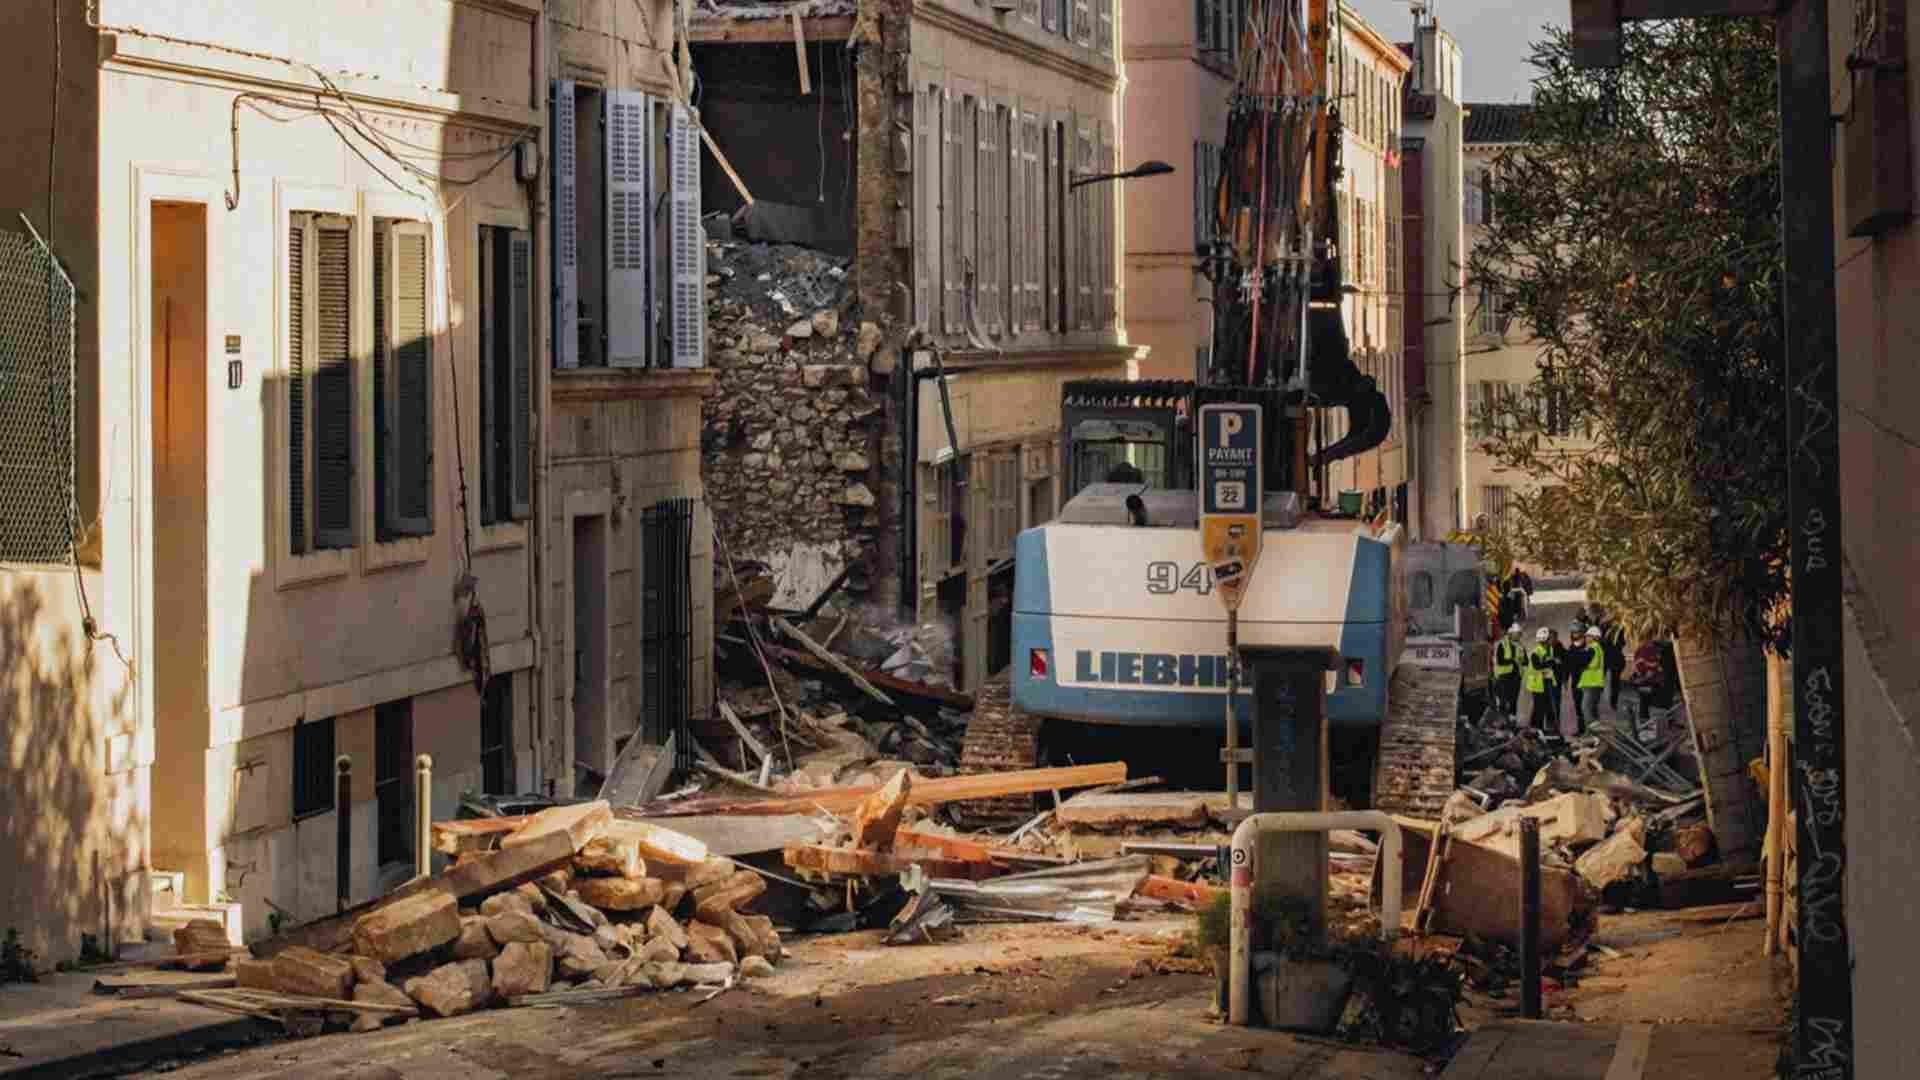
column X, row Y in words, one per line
column 321, row 473
column 907, row 277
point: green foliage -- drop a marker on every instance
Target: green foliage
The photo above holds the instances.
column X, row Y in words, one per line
column 16, row 960
column 1636, row 236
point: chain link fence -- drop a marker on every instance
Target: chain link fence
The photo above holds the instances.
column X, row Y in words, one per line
column 36, row 400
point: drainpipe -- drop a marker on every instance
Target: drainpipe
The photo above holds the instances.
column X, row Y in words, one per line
column 910, row 460
column 1246, row 869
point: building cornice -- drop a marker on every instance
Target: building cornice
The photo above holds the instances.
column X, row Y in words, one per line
column 1038, row 358
column 527, row 10
column 127, row 52
column 1107, row 79
column 1365, row 32
column 583, row 386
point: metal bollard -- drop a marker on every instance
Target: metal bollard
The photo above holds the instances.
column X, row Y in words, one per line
column 1530, row 918
column 423, row 815
column 343, row 819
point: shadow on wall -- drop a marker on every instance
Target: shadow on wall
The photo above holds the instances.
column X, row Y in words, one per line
column 72, row 833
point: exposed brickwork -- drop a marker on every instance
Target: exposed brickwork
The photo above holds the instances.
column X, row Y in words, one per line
column 1000, row 738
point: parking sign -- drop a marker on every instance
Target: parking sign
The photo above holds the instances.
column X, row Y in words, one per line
column 1230, row 534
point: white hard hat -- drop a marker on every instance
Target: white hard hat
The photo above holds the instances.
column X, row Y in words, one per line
column 1541, row 634
column 1514, row 629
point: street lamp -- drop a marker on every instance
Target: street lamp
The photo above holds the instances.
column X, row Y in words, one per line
column 1150, row 168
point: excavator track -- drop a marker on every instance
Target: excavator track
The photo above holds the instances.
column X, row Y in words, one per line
column 1414, row 769
column 1001, row 737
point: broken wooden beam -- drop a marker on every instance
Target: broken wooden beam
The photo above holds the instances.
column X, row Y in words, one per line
column 853, row 862
column 1192, row 895
column 877, row 817
column 716, row 30
column 746, row 737
column 924, row 792
column 822, row 654
column 938, row 697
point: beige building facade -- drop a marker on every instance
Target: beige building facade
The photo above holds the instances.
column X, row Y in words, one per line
column 316, row 438
column 1501, row 360
column 1434, row 325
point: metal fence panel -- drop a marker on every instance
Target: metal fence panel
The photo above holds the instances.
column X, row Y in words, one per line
column 666, row 644
column 36, row 400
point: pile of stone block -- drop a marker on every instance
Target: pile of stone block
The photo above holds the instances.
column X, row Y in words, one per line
column 635, row 908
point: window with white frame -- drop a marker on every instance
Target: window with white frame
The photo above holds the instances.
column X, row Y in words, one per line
column 321, row 414
column 1494, row 313
column 505, row 320
column 629, row 253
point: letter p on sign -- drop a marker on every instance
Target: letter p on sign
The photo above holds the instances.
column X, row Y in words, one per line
column 1230, row 425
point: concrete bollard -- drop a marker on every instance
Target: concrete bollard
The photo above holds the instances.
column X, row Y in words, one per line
column 423, row 815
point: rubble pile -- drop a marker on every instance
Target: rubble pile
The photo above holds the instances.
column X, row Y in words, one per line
column 568, row 904
column 790, row 430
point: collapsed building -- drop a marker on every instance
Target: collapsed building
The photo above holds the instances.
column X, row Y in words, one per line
column 902, row 274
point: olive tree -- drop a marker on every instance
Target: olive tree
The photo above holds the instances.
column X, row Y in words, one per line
column 1637, row 239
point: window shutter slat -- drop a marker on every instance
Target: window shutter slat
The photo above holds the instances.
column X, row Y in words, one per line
column 297, row 382
column 383, row 421
column 689, row 244
column 950, row 210
column 1109, row 233
column 1103, row 28
column 333, row 390
column 520, row 354
column 1082, row 23
column 410, row 500
column 926, row 230
column 629, row 190
column 1083, row 285
column 1056, row 231
column 565, row 240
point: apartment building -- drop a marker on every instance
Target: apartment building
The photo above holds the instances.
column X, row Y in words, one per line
column 990, row 274
column 1501, row 361
column 1367, row 74
column 1180, row 61
column 1433, row 323
column 308, row 466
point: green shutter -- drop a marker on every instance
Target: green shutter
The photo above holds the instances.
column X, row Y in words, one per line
column 333, row 387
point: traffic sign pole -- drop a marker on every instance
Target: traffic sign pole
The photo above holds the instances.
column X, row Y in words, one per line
column 1231, row 534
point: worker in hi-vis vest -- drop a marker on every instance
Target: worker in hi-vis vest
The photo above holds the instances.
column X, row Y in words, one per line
column 1541, row 677
column 1507, row 658
column 1587, row 667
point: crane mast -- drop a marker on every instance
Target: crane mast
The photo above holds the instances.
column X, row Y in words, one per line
column 1275, row 265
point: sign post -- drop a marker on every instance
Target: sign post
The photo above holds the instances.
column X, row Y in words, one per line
column 1230, row 536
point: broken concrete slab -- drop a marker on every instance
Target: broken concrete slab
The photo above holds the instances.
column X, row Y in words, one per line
column 723, row 896
column 756, row 967
column 453, row 989
column 1576, row 819
column 1477, row 890
column 382, row 992
column 523, row 967
column 877, row 817
column 407, row 928
column 1615, row 857
column 742, row 834
column 621, row 894
column 1135, row 810
column 312, row 974
column 253, row 974
column 367, row 969
column 577, row 956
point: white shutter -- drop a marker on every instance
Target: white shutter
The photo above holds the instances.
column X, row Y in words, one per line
column 629, row 188
column 566, row 236
column 989, row 252
column 519, row 353
column 926, row 217
column 1034, row 242
column 1018, row 229
column 689, row 244
column 1082, row 23
column 951, row 214
column 1056, row 227
column 1083, row 229
column 1109, row 238
column 408, row 464
column 1103, row 26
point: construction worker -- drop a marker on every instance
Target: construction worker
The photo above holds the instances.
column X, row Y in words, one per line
column 1587, row 672
column 1562, row 677
column 1507, row 658
column 1543, row 678
column 1613, row 642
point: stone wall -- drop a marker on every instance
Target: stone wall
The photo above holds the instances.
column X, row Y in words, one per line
column 790, row 431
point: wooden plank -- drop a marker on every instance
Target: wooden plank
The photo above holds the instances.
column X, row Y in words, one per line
column 935, row 695
column 821, row 654
column 852, row 862
column 468, row 882
column 708, row 31
column 800, row 52
column 733, row 720
column 925, row 792
column 877, row 817
column 1189, row 894
column 726, row 166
